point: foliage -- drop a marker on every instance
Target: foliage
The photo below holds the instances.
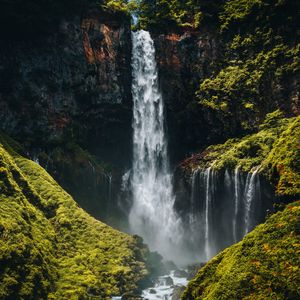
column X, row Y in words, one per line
column 51, row 248
column 283, row 161
column 128, row 7
column 260, row 60
column 242, row 87
column 163, row 14
column 264, row 265
column 275, row 148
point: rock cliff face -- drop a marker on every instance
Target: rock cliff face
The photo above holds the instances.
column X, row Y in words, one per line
column 67, row 97
column 72, row 83
column 185, row 58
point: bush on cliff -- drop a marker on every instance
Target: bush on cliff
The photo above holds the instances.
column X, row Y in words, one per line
column 275, row 148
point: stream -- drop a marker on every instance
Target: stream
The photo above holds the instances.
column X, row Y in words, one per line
column 165, row 286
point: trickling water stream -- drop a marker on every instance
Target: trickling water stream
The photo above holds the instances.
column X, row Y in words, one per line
column 151, row 215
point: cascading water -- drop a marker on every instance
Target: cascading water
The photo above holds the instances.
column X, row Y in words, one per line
column 208, row 204
column 225, row 206
column 222, row 205
column 236, row 201
column 152, row 215
column 251, row 194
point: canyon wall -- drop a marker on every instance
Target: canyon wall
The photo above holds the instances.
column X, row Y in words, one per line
column 66, row 96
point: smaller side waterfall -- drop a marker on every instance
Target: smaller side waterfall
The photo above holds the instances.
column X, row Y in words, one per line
column 236, row 201
column 208, row 205
column 224, row 206
column 250, row 196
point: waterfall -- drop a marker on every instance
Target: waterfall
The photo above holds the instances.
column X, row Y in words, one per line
column 152, row 215
column 224, row 206
column 208, row 196
column 250, row 193
column 192, row 216
column 109, row 187
column 236, row 201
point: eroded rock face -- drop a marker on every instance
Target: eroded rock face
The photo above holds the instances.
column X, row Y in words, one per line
column 79, row 75
column 185, row 59
column 72, row 86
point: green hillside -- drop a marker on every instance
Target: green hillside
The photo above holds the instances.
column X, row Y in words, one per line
column 50, row 248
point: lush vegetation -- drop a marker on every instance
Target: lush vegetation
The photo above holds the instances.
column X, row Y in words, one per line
column 51, row 248
column 275, row 148
column 163, row 15
column 264, row 265
column 261, row 59
column 258, row 56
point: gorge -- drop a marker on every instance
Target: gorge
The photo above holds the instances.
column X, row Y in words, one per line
column 154, row 158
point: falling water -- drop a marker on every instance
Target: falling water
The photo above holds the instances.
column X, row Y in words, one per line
column 109, row 186
column 250, row 197
column 224, row 206
column 208, row 196
column 236, row 201
column 192, row 217
column 151, row 215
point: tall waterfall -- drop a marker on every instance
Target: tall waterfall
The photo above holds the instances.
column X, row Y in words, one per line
column 151, row 215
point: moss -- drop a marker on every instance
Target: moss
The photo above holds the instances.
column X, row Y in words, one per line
column 50, row 247
column 264, row 265
column 275, row 148
column 284, row 161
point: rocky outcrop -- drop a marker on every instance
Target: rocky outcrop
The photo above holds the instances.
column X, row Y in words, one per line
column 72, row 88
column 185, row 58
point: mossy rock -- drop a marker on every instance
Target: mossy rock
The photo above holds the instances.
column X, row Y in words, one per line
column 274, row 149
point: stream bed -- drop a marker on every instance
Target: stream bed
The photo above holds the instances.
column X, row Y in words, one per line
column 166, row 286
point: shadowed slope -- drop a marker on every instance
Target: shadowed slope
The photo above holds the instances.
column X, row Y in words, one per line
column 49, row 247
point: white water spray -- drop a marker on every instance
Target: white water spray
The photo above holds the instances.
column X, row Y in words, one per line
column 208, row 204
column 152, row 215
column 236, row 201
column 250, row 196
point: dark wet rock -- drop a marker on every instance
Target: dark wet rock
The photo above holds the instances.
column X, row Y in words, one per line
column 185, row 59
column 181, row 274
column 131, row 296
column 170, row 265
column 193, row 270
column 178, row 290
column 169, row 280
column 152, row 291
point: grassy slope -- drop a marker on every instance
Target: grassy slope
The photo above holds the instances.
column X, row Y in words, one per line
column 49, row 247
column 264, row 265
column 275, row 147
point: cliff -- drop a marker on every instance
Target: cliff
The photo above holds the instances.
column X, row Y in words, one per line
column 221, row 75
column 66, row 96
